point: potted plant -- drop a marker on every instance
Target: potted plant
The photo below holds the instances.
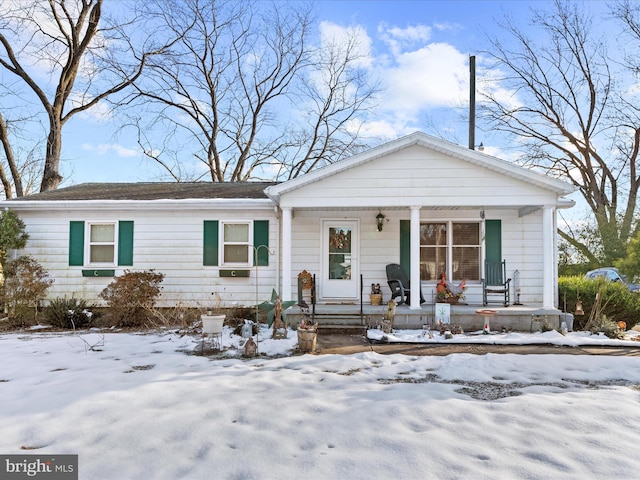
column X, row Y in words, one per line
column 376, row 294
column 213, row 319
column 447, row 292
column 307, row 335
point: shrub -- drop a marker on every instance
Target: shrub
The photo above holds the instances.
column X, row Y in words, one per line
column 178, row 315
column 618, row 303
column 70, row 313
column 606, row 326
column 25, row 284
column 132, row 296
column 12, row 234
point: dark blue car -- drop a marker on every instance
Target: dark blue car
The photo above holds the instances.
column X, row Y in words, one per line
column 613, row 275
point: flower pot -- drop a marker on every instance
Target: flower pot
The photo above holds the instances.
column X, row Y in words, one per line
column 449, row 300
column 212, row 324
column 376, row 298
column 307, row 339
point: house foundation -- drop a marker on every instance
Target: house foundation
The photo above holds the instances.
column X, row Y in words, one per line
column 350, row 317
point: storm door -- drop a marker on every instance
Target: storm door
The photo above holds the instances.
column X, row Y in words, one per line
column 340, row 267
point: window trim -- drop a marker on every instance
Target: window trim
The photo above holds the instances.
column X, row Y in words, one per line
column 88, row 243
column 450, row 246
column 248, row 243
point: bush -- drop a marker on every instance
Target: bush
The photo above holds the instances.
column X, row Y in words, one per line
column 12, row 234
column 609, row 328
column 70, row 313
column 618, row 303
column 132, row 296
column 25, row 284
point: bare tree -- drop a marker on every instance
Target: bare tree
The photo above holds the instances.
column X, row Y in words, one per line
column 567, row 114
column 11, row 161
column 242, row 95
column 20, row 164
column 64, row 39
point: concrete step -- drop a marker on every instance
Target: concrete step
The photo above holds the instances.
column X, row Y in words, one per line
column 329, row 329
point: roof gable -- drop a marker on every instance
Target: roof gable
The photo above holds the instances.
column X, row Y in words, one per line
column 473, row 158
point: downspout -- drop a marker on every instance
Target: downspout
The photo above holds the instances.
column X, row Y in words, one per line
column 277, row 212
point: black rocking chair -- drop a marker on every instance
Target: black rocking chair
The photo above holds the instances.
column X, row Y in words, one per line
column 399, row 284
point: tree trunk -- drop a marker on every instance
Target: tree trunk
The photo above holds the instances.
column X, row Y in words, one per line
column 51, row 177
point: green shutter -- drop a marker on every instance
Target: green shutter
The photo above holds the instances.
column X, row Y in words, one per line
column 493, row 240
column 125, row 243
column 210, row 243
column 261, row 238
column 405, row 246
column 76, row 243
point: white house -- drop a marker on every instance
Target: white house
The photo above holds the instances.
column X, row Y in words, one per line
column 442, row 207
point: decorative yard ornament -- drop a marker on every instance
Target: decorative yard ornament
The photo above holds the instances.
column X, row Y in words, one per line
column 516, row 286
column 276, row 318
column 306, row 280
column 305, row 286
column 250, row 348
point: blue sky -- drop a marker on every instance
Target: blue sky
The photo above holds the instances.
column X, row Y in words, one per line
column 419, row 51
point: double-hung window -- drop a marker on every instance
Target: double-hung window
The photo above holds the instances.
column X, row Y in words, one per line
column 233, row 244
column 452, row 248
column 102, row 243
column 236, row 243
column 98, row 244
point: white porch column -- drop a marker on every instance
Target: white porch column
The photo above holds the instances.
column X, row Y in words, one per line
column 285, row 292
column 415, row 258
column 548, row 256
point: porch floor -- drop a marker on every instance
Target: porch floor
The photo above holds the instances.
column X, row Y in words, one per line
column 514, row 317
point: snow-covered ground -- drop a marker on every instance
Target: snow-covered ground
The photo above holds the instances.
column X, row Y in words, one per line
column 141, row 406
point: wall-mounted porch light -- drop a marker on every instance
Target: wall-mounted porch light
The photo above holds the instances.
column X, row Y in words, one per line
column 380, row 221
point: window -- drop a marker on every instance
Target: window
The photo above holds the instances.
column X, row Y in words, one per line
column 229, row 243
column 236, row 244
column 102, row 243
column 451, row 248
column 433, row 250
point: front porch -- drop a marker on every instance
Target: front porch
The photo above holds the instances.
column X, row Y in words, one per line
column 349, row 317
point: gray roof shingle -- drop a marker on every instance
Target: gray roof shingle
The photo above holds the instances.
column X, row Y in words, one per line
column 153, row 191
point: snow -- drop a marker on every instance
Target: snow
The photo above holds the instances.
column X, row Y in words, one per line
column 142, row 406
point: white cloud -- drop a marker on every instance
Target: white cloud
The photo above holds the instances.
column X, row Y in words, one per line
column 384, row 129
column 398, row 38
column 432, row 76
column 416, row 73
column 332, row 35
column 107, row 148
column 100, row 112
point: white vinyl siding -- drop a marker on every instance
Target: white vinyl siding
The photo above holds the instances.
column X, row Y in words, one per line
column 170, row 241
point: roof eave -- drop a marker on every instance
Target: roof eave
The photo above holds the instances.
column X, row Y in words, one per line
column 172, row 204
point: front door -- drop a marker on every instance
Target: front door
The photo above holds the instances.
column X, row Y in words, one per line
column 340, row 267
